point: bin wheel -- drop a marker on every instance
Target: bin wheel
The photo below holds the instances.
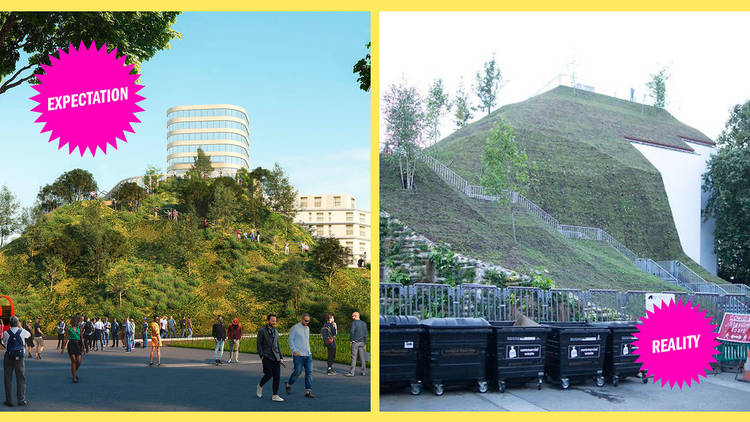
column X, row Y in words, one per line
column 615, row 380
column 539, row 384
column 501, row 386
column 600, row 381
column 438, row 389
column 565, row 383
column 416, row 389
column 644, row 378
column 482, row 386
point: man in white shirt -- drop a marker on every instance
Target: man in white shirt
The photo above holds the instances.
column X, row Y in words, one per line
column 99, row 337
column 163, row 327
column 13, row 340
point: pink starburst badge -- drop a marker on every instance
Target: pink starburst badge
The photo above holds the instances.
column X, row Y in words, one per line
column 87, row 98
column 676, row 343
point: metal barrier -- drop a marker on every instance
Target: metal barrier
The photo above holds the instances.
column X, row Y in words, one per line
column 424, row 300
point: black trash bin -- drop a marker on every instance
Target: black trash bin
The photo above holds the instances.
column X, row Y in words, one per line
column 456, row 352
column 619, row 360
column 516, row 354
column 575, row 351
column 400, row 352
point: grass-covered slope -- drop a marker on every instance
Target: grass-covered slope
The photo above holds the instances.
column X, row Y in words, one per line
column 587, row 173
column 483, row 230
column 169, row 268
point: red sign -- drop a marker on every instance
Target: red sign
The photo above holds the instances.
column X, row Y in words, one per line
column 735, row 327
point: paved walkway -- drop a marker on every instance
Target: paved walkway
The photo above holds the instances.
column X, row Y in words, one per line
column 717, row 393
column 186, row 381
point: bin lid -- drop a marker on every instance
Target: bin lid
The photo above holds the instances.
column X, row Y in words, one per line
column 398, row 321
column 510, row 326
column 456, row 322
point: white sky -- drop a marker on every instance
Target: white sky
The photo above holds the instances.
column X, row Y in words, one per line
column 706, row 55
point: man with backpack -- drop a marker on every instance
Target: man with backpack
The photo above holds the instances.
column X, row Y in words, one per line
column 60, row 333
column 13, row 340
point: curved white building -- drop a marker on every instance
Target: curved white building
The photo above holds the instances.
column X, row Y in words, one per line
column 222, row 131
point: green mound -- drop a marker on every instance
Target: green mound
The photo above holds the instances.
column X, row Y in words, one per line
column 587, row 173
column 483, row 230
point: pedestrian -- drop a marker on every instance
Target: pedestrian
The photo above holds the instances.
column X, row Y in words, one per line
column 205, row 223
column 99, row 334
column 13, row 362
column 128, row 331
column 299, row 343
column 29, row 341
column 144, row 332
column 234, row 334
column 244, row 235
column 183, row 327
column 172, row 328
column 269, row 350
column 328, row 333
column 163, row 327
column 257, row 234
column 115, row 332
column 156, row 213
column 286, row 248
column 155, row 342
column 219, row 333
column 174, row 214
column 107, row 331
column 358, row 340
column 60, row 333
column 190, row 327
column 75, row 346
column 89, row 332
column 239, row 232
column 38, row 338
column 132, row 334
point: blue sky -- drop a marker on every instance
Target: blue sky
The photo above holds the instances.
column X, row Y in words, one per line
column 292, row 72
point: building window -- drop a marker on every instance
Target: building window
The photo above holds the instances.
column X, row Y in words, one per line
column 350, row 250
column 309, row 217
column 320, row 230
column 303, row 203
column 362, row 247
column 353, row 203
column 362, row 218
column 362, row 232
column 330, row 216
column 336, row 201
column 318, row 202
column 319, row 217
column 349, row 230
column 350, row 216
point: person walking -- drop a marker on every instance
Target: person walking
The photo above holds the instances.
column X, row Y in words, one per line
column 190, row 327
column 115, row 332
column 286, row 248
column 163, row 327
column 219, row 333
column 257, row 234
column 13, row 362
column 358, row 340
column 234, row 334
column 29, row 341
column 73, row 339
column 299, row 343
column 107, row 331
column 155, row 342
column 328, row 333
column 144, row 332
column 172, row 327
column 174, row 214
column 98, row 334
column 156, row 213
column 183, row 326
column 128, row 330
column 269, row 350
column 38, row 339
column 60, row 333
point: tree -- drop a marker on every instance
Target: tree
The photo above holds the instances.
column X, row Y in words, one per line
column 224, row 207
column 463, row 106
column 54, row 269
column 104, row 244
column 151, row 178
column 201, row 167
column 438, row 105
column 129, row 192
column 71, row 186
column 505, row 166
column 658, row 87
column 183, row 243
column 290, row 274
column 197, row 195
column 737, row 130
column 37, row 35
column 486, row 84
column 9, row 220
column 281, row 196
column 727, row 181
column 362, row 67
column 329, row 257
column 404, row 125
column 121, row 279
